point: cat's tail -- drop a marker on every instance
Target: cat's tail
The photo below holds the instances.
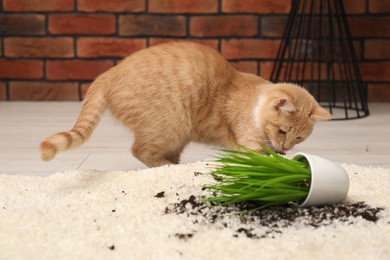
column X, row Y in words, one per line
column 92, row 110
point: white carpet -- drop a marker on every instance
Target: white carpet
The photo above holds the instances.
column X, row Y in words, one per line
column 115, row 215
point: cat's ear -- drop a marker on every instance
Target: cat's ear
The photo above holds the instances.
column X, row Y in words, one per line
column 320, row 114
column 284, row 105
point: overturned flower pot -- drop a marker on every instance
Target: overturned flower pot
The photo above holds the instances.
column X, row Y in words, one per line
column 329, row 182
column 305, row 180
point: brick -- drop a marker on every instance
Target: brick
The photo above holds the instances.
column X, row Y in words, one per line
column 281, row 6
column 84, row 88
column 357, row 45
column 82, row 24
column 308, row 50
column 379, row 6
column 370, row 26
column 266, row 71
column 379, row 92
column 75, row 69
column 39, row 47
column 3, row 91
column 224, row 26
column 183, row 6
column 111, row 5
column 152, row 25
column 108, row 47
column 211, row 43
column 375, row 71
column 21, row 69
column 256, row 6
column 245, row 66
column 273, row 26
column 27, row 24
column 37, row 5
column 40, row 90
column 250, row 49
column 377, row 49
column 355, row 6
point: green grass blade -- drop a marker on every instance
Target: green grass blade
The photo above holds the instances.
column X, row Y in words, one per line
column 250, row 176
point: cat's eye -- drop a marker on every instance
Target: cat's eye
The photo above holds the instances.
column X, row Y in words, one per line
column 282, row 131
column 299, row 137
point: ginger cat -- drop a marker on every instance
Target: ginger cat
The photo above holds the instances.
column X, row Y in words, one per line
column 178, row 92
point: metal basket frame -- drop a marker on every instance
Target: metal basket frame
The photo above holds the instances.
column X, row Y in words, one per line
column 318, row 54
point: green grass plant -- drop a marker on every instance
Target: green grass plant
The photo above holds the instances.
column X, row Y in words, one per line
column 248, row 176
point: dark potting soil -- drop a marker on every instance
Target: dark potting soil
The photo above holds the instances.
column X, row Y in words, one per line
column 272, row 220
column 265, row 223
column 184, row 236
column 160, row 194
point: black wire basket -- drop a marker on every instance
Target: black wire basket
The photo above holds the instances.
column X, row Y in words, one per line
column 318, row 54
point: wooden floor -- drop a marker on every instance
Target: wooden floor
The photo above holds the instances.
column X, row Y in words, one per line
column 24, row 124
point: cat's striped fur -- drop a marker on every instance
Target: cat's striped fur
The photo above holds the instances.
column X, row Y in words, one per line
column 175, row 93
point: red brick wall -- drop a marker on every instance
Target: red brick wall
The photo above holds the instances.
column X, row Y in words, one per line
column 52, row 49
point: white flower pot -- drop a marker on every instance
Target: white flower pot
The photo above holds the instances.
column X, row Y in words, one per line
column 329, row 182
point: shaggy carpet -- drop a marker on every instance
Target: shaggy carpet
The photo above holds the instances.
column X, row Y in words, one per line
column 159, row 214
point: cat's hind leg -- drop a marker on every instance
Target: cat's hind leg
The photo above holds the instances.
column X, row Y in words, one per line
column 173, row 155
column 149, row 155
column 155, row 153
